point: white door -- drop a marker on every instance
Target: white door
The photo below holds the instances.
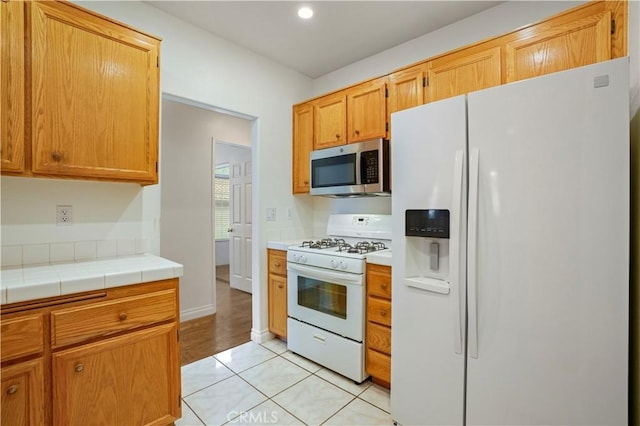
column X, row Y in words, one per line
column 552, row 250
column 427, row 366
column 240, row 223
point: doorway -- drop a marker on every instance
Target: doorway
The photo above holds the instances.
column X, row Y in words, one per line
column 186, row 225
column 232, row 213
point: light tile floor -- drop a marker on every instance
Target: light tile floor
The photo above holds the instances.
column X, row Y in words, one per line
column 265, row 384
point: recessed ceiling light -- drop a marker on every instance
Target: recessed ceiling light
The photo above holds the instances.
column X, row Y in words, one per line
column 305, row 12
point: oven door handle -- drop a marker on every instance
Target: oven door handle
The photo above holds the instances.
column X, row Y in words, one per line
column 325, row 274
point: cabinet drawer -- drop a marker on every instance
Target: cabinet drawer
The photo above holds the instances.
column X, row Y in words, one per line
column 378, row 284
column 379, row 337
column 278, row 262
column 21, row 336
column 379, row 365
column 81, row 323
column 379, row 311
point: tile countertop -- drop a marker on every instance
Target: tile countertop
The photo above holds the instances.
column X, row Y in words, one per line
column 380, row 258
column 39, row 281
column 282, row 245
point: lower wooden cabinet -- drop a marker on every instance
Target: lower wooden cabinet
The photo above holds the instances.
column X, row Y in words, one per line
column 277, row 260
column 108, row 357
column 23, row 397
column 378, row 326
column 132, row 377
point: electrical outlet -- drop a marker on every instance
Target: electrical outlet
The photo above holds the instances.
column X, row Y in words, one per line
column 64, row 215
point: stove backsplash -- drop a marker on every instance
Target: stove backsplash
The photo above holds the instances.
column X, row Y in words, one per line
column 323, row 207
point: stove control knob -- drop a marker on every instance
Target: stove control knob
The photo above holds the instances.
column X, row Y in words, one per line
column 334, row 263
column 303, row 259
column 295, row 257
column 343, row 265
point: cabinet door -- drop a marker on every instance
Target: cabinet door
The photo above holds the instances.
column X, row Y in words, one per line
column 367, row 111
column 330, row 124
column 135, row 378
column 12, row 108
column 542, row 50
column 407, row 88
column 278, row 305
column 94, row 96
column 22, row 394
column 302, row 146
column 463, row 72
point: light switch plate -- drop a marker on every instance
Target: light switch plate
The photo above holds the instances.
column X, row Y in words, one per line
column 271, row 214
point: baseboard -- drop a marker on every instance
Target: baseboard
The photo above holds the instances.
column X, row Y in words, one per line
column 261, row 336
column 194, row 313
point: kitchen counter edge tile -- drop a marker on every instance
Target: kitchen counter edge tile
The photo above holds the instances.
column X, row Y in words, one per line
column 283, row 245
column 58, row 279
column 380, row 258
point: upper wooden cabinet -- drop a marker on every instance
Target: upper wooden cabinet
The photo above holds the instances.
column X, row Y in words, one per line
column 12, row 85
column 592, row 32
column 366, row 111
column 463, row 72
column 407, row 88
column 87, row 88
column 563, row 43
column 303, row 135
column 330, row 124
column 94, row 100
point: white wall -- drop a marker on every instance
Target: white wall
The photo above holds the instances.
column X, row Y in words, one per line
column 102, row 212
column 634, row 51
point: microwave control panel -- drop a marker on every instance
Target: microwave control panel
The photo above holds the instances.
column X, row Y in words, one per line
column 427, row 223
column 369, row 167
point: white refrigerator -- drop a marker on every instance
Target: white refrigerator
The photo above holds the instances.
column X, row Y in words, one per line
column 511, row 254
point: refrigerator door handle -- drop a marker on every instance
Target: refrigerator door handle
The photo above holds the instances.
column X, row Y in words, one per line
column 472, row 301
column 458, row 174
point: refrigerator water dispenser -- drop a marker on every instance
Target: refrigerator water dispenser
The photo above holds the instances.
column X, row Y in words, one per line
column 427, row 251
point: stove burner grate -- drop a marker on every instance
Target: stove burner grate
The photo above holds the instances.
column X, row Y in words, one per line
column 362, row 247
column 323, row 243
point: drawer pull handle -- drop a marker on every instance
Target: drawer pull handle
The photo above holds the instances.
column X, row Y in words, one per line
column 277, row 264
column 383, row 286
column 12, row 389
column 79, row 368
column 319, row 338
column 383, row 313
column 337, row 136
column 122, row 316
column 280, row 285
column 56, row 156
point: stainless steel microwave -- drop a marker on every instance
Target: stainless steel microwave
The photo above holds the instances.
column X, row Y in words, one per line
column 355, row 169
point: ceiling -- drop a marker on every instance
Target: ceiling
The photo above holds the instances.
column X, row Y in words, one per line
column 340, row 32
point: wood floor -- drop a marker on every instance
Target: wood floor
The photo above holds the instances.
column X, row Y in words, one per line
column 230, row 326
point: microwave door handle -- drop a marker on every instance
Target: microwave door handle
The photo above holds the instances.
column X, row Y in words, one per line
column 358, row 169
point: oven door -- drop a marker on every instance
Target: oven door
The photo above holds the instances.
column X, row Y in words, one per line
column 327, row 299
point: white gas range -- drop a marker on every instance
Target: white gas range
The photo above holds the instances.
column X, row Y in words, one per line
column 326, row 292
